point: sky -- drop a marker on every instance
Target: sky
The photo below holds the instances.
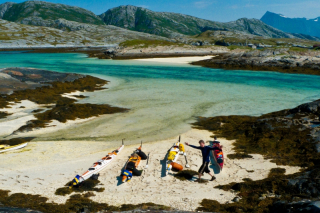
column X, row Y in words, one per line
column 215, row 10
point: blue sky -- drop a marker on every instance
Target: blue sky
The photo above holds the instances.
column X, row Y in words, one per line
column 216, row 10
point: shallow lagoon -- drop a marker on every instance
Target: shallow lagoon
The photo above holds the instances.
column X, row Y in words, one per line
column 165, row 98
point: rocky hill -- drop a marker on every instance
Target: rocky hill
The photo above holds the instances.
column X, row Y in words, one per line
column 175, row 24
column 41, row 13
column 13, row 35
column 293, row 25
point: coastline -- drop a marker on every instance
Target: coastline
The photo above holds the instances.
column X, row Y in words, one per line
column 280, row 60
column 60, row 160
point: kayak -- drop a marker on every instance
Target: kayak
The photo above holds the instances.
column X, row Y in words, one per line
column 173, row 155
column 97, row 167
column 130, row 169
column 217, row 154
column 6, row 148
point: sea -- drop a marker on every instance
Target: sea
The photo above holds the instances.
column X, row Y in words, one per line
column 165, row 99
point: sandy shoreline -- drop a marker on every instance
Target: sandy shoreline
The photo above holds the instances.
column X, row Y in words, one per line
column 177, row 60
column 42, row 167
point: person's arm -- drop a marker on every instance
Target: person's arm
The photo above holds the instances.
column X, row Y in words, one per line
column 196, row 147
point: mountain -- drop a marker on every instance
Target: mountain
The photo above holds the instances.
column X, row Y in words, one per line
column 4, row 7
column 175, row 24
column 41, row 13
column 18, row 35
column 170, row 25
column 160, row 23
column 293, row 25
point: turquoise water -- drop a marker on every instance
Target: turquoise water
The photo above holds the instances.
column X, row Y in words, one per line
column 165, row 99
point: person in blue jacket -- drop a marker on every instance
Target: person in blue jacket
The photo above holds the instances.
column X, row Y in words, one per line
column 205, row 158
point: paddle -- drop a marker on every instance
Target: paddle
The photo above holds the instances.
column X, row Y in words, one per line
column 185, row 156
column 147, row 162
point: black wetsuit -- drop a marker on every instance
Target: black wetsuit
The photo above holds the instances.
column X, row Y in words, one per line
column 205, row 157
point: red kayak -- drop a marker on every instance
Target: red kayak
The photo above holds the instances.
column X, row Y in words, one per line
column 217, row 155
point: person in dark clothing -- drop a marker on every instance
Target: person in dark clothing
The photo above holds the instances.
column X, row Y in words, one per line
column 205, row 158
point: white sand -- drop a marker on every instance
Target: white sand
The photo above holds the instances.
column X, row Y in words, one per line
column 21, row 114
column 176, row 60
column 42, row 167
column 71, row 95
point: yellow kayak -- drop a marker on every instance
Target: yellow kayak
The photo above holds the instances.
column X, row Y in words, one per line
column 6, row 148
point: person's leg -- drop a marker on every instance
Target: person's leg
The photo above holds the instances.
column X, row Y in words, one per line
column 201, row 170
column 207, row 170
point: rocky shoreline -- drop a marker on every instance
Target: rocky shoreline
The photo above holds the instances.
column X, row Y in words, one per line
column 279, row 60
column 288, row 137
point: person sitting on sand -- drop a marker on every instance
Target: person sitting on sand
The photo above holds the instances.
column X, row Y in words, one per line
column 205, row 158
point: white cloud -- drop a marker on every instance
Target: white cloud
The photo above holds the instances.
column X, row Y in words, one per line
column 234, row 6
column 144, row 6
column 203, row 3
column 249, row 5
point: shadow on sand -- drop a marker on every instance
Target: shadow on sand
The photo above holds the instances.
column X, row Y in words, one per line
column 163, row 164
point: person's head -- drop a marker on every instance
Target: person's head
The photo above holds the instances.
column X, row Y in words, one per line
column 215, row 138
column 201, row 142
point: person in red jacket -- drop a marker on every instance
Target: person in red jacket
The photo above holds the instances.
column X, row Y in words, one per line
column 205, row 158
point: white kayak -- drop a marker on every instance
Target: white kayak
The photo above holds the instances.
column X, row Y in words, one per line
column 97, row 166
column 173, row 155
column 4, row 148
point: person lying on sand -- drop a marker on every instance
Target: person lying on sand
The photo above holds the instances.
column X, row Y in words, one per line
column 205, row 158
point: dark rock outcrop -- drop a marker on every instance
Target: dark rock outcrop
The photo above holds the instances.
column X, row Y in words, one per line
column 13, row 79
column 279, row 60
column 305, row 206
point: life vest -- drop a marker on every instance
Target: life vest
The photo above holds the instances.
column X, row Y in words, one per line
column 171, row 155
column 181, row 147
column 76, row 180
column 127, row 173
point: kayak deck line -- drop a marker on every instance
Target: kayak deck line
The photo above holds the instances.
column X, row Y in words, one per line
column 93, row 171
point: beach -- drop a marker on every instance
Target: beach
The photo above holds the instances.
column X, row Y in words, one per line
column 158, row 115
column 42, row 167
column 177, row 60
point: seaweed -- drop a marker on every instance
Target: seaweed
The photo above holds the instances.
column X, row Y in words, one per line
column 185, row 174
column 69, row 111
column 283, row 140
column 276, row 172
column 76, row 203
column 4, row 115
column 63, row 108
column 260, row 196
column 239, row 156
column 144, row 206
column 16, row 141
column 87, row 185
column 37, row 110
column 51, row 94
